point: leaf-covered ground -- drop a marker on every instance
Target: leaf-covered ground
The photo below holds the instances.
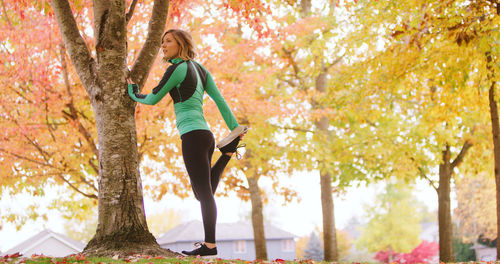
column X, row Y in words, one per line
column 135, row 259
column 149, row 259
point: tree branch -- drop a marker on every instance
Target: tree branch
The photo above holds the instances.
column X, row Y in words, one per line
column 83, row 131
column 337, row 60
column 73, row 113
column 131, row 10
column 91, row 185
column 461, row 155
column 94, row 167
column 31, row 160
column 22, row 88
column 93, row 196
column 142, row 66
column 64, row 65
column 294, row 128
column 77, row 49
column 44, row 153
column 296, row 69
column 289, row 82
column 6, row 15
column 423, row 175
column 42, row 124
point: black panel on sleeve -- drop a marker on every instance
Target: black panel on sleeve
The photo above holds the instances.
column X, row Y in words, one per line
column 203, row 74
column 170, row 70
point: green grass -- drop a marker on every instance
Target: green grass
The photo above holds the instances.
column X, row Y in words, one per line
column 135, row 259
column 80, row 259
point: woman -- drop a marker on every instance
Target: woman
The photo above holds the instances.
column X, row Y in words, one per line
column 186, row 81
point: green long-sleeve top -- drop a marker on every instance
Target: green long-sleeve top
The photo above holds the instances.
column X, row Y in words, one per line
column 186, row 82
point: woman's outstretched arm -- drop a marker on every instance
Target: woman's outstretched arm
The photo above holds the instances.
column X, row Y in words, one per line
column 224, row 109
column 173, row 76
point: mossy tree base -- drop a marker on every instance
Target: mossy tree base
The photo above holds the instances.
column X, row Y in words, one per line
column 121, row 245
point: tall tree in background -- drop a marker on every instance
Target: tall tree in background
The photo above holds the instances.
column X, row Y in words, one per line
column 346, row 133
column 305, row 75
column 327, row 205
column 246, row 74
column 467, row 30
column 447, row 89
column 489, row 44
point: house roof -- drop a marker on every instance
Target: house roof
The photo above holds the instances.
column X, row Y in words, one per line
column 193, row 231
column 479, row 246
column 43, row 236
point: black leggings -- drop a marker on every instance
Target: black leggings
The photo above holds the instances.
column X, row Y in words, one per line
column 197, row 149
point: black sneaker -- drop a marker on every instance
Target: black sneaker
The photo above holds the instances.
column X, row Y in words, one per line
column 229, row 144
column 231, row 147
column 202, row 251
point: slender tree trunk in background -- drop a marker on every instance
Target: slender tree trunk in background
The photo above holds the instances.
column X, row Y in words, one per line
column 327, row 205
column 496, row 139
column 446, row 252
column 122, row 227
column 329, row 230
column 327, row 208
column 444, row 209
column 257, row 218
column 259, row 235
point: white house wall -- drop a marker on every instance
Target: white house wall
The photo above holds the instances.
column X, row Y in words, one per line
column 226, row 250
column 486, row 254
column 50, row 247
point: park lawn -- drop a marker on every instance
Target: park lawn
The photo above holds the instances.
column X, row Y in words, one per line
column 81, row 259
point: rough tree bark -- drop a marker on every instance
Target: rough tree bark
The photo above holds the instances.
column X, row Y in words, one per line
column 122, row 227
column 257, row 218
column 256, row 200
column 495, row 128
column 444, row 207
column 257, row 211
column 327, row 205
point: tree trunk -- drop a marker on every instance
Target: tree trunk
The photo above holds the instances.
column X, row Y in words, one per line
column 329, row 230
column 446, row 168
column 122, row 227
column 122, row 223
column 444, row 209
column 257, row 218
column 496, row 141
column 327, row 206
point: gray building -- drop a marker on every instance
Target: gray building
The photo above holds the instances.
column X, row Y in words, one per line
column 234, row 240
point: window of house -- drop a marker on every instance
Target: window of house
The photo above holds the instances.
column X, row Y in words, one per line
column 288, row 245
column 240, row 246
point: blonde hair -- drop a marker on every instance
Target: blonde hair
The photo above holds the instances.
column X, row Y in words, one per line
column 185, row 42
